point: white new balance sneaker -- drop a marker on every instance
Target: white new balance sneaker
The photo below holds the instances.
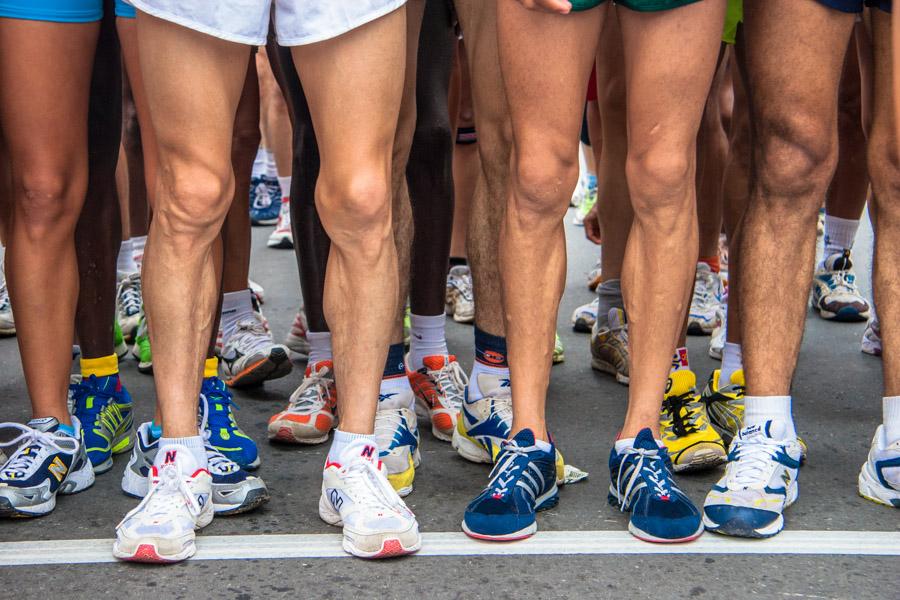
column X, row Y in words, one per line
column 460, row 300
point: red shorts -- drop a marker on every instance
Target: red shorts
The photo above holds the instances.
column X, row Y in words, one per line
column 592, row 86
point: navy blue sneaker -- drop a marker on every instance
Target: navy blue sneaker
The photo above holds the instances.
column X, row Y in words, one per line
column 264, row 204
column 523, row 481
column 225, row 435
column 103, row 406
column 641, row 483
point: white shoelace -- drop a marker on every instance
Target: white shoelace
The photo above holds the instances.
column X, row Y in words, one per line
column 369, row 488
column 754, row 460
column 130, row 294
column 502, row 403
column 313, row 390
column 171, row 493
column 387, row 421
column 655, row 471
column 5, row 304
column 504, row 472
column 704, row 289
column 451, row 381
column 250, row 337
column 19, row 464
column 261, row 197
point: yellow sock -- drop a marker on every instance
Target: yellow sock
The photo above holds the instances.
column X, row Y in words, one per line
column 100, row 367
column 211, row 367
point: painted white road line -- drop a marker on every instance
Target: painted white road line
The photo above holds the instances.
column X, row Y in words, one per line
column 235, row 547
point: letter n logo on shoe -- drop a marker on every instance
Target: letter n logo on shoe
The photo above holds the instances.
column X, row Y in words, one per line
column 58, row 468
column 170, row 456
column 368, row 452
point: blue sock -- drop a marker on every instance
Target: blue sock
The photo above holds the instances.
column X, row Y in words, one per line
column 394, row 366
column 66, row 429
column 155, row 430
column 490, row 349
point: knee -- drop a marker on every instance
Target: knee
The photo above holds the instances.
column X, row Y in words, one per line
column 884, row 170
column 355, row 209
column 50, row 201
column 660, row 179
column 194, row 203
column 543, row 181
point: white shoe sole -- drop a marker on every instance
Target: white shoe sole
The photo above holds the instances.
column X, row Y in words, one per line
column 871, row 489
column 389, row 543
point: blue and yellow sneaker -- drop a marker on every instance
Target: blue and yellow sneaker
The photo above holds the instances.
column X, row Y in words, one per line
column 397, row 435
column 760, row 482
column 522, row 482
column 879, row 477
column 641, row 483
column 225, row 435
column 103, row 406
column 484, row 424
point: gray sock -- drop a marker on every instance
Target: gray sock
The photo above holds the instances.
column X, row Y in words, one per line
column 610, row 294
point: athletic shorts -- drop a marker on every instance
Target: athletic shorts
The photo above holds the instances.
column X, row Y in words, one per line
column 856, row 6
column 639, row 5
column 125, row 10
column 297, row 22
column 734, row 14
column 58, row 11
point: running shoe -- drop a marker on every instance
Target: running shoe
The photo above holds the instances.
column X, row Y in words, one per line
column 264, row 208
column 483, row 425
column 725, row 404
column 397, row 434
column 692, row 443
column 460, row 300
column 283, row 236
column 559, row 351
column 311, row 412
column 641, row 483
column 129, row 305
column 7, row 322
column 879, row 478
column 258, row 292
column 523, row 482
column 217, row 420
column 161, row 529
column 234, row 490
column 250, row 356
column 820, row 223
column 46, row 462
column 594, row 275
column 273, row 188
column 588, row 199
column 357, row 496
column 871, row 340
column 705, row 301
column 717, row 340
column 119, row 345
column 609, row 345
column 760, row 481
column 585, row 316
column 103, row 407
column 141, row 349
column 296, row 342
column 440, row 386
column 835, row 293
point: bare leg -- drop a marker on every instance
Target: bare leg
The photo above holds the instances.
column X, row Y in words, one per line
column 466, row 166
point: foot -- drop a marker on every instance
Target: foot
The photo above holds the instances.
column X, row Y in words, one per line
column 641, row 483
column 559, row 351
column 693, row 444
column 705, row 301
column 609, row 345
column 234, row 490
column 717, row 340
column 296, row 342
column 879, row 478
column 871, row 340
column 161, row 529
column 585, row 316
column 264, row 208
column 103, row 407
column 7, row 322
column 835, row 294
column 129, row 305
column 250, row 356
column 460, row 298
column 46, row 462
column 283, row 236
column 483, row 425
column 522, row 482
column 218, row 422
column 439, row 386
column 725, row 404
column 311, row 412
column 397, row 434
column 760, row 482
column 141, row 350
column 356, row 495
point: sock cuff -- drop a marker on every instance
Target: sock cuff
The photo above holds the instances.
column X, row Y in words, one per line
column 610, row 287
column 891, row 405
column 100, row 367
column 426, row 321
column 490, row 349
column 211, row 367
column 395, row 365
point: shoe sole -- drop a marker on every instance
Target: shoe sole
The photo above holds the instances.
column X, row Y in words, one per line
column 737, row 530
column 253, row 499
column 646, row 537
column 282, row 244
column 698, row 329
column 263, row 222
column 274, row 366
column 147, row 553
column 844, row 315
column 8, row 332
column 582, row 326
column 470, row 449
column 74, row 483
column 699, row 460
column 544, row 502
column 390, row 546
column 874, row 491
column 605, row 367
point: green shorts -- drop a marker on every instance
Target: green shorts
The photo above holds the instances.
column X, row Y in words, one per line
column 734, row 14
column 639, row 5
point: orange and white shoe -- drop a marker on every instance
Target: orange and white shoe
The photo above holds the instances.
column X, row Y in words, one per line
column 311, row 412
column 439, row 386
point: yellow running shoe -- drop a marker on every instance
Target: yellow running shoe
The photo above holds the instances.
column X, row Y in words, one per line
column 692, row 443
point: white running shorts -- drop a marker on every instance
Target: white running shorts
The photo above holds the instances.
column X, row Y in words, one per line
column 297, row 22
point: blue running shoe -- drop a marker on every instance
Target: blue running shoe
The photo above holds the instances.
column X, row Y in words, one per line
column 217, row 417
column 522, row 482
column 264, row 205
column 760, row 481
column 103, row 406
column 641, row 483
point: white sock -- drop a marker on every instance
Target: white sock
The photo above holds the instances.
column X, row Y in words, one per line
column 680, row 360
column 759, row 409
column 193, row 443
column 732, row 360
column 396, row 392
column 259, row 163
column 236, row 306
column 125, row 264
column 342, row 439
column 891, row 407
column 137, row 244
column 285, row 184
column 479, row 368
column 839, row 234
column 427, row 337
column 319, row 346
column 271, row 167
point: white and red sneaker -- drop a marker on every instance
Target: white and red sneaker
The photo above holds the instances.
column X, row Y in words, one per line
column 311, row 411
column 439, row 386
column 283, row 236
column 296, row 340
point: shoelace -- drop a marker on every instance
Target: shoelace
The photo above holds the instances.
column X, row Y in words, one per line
column 753, row 460
column 251, row 337
column 682, row 424
column 19, row 464
column 501, row 400
column 5, row 304
column 387, row 422
column 170, row 493
column 462, row 283
column 451, row 381
column 218, row 462
column 369, row 488
column 844, row 281
column 223, row 397
column 313, row 391
column 109, row 412
column 704, row 293
column 650, row 467
column 261, row 197
column 508, row 469
column 130, row 294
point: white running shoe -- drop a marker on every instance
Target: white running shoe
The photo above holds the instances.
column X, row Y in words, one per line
column 283, row 236
column 585, row 316
column 129, row 305
column 835, row 294
column 760, row 482
column 296, row 341
column 161, row 529
column 7, row 323
column 311, row 412
column 460, row 300
column 250, row 355
column 357, row 496
column 484, row 424
column 879, row 478
column 717, row 341
column 871, row 340
column 705, row 301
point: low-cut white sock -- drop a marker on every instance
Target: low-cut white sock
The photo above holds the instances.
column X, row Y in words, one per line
column 319, row 346
column 839, row 234
column 259, row 163
column 891, row 408
column 759, row 409
column 193, row 443
column 732, row 361
column 427, row 337
column 236, row 306
column 342, row 439
column 285, row 184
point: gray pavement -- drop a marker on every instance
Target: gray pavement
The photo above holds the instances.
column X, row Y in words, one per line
column 837, row 403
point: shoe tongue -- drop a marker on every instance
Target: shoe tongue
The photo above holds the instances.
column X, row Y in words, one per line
column 681, row 382
column 436, row 363
column 214, row 384
column 839, row 261
column 318, row 366
column 45, row 424
column 616, row 318
column 489, row 383
column 644, row 440
column 360, row 449
column 524, row 438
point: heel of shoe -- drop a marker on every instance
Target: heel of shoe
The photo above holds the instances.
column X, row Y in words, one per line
column 78, row 481
column 469, row 449
column 327, row 512
column 133, row 483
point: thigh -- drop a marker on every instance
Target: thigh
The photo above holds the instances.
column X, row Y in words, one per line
column 45, row 123
column 354, row 85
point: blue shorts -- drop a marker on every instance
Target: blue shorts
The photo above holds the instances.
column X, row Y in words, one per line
column 125, row 10
column 61, row 11
column 856, row 6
